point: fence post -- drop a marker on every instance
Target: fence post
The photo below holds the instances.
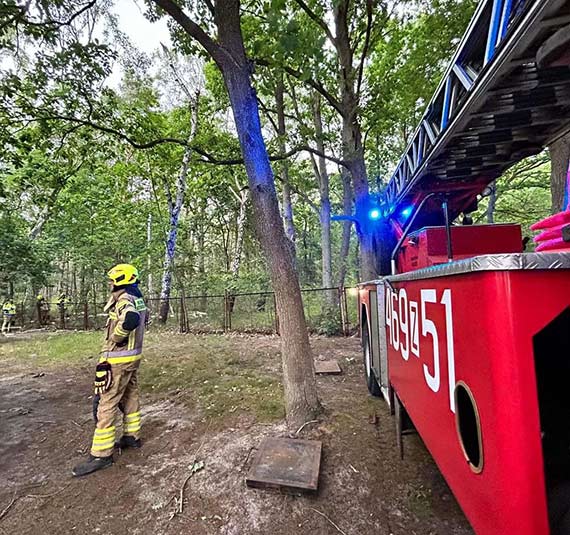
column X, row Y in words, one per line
column 85, row 316
column 227, row 322
column 183, row 319
column 344, row 311
column 276, row 314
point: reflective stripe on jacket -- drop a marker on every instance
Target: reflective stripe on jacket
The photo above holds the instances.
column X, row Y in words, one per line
column 9, row 309
column 121, row 346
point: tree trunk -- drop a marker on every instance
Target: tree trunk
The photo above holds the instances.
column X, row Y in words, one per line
column 301, row 399
column 150, row 289
column 240, row 231
column 492, row 202
column 243, row 197
column 174, row 212
column 352, row 148
column 287, row 205
column 559, row 158
column 45, row 214
column 202, row 286
column 347, row 202
column 325, row 204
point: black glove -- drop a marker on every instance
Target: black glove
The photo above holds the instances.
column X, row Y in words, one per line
column 103, row 378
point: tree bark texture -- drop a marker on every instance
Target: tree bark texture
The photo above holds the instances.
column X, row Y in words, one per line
column 174, row 209
column 559, row 159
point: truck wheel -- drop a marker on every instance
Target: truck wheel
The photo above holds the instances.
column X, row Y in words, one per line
column 371, row 381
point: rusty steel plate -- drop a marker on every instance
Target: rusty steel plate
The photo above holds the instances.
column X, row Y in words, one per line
column 327, row 367
column 286, row 464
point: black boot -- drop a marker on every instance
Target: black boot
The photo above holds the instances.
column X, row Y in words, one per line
column 128, row 441
column 92, row 464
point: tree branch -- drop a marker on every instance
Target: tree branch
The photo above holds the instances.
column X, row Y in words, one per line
column 19, row 17
column 206, row 156
column 193, row 30
column 366, row 46
column 314, row 17
column 267, row 113
column 333, row 101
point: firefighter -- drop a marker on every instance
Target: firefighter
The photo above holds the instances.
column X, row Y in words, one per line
column 62, row 305
column 116, row 374
column 8, row 313
column 43, row 310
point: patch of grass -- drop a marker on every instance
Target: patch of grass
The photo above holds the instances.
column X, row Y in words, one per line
column 219, row 380
column 419, row 500
column 214, row 370
column 54, row 348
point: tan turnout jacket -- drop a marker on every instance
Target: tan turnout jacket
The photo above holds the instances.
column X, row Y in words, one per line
column 121, row 346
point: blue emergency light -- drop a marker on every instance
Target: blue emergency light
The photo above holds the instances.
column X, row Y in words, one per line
column 406, row 212
column 374, row 214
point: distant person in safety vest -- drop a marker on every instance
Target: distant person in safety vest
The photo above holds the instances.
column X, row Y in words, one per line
column 116, row 374
column 43, row 310
column 8, row 314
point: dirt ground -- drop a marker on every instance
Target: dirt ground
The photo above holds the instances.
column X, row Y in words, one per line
column 364, row 488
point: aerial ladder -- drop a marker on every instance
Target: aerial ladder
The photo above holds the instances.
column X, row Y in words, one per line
column 468, row 337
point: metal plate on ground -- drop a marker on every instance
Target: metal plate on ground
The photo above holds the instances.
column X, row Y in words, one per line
column 286, row 464
column 327, row 367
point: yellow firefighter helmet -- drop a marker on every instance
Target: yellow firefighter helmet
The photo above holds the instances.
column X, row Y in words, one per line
column 123, row 274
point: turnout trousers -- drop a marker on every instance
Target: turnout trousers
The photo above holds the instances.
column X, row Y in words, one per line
column 124, row 391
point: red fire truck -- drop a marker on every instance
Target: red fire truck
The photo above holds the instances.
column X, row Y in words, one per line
column 473, row 354
column 466, row 336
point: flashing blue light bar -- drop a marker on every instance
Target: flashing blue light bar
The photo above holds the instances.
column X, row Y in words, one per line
column 374, row 214
column 406, row 212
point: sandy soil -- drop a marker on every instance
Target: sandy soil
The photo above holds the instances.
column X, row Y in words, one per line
column 45, row 428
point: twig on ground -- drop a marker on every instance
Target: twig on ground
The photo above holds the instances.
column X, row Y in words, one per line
column 75, row 423
column 246, row 459
column 306, row 423
column 7, row 508
column 47, row 495
column 332, row 523
column 192, row 471
column 34, row 485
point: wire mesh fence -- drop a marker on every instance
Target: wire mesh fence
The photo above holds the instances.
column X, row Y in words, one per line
column 327, row 311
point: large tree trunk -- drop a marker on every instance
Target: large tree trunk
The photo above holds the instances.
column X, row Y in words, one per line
column 559, row 158
column 301, row 399
column 352, row 148
column 174, row 212
column 325, row 204
column 287, row 205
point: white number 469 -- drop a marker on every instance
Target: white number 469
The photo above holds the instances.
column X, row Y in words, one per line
column 403, row 325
